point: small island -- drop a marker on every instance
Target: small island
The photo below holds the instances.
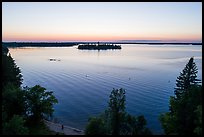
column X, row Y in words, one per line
column 98, row 46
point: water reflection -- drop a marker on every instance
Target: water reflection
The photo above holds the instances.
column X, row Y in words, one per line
column 82, row 80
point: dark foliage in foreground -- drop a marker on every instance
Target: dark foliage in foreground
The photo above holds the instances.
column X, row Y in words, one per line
column 39, row 102
column 19, row 106
column 10, row 72
column 115, row 120
column 185, row 116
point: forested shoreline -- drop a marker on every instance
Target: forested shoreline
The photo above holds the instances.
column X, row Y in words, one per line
column 37, row 44
column 23, row 108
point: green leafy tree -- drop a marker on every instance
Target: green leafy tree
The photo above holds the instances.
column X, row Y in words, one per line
column 96, row 126
column 115, row 120
column 39, row 102
column 188, row 95
column 15, row 126
column 13, row 100
column 139, row 128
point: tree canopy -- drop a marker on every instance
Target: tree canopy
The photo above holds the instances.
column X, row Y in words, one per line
column 185, row 111
column 39, row 103
column 115, row 120
column 186, row 78
column 18, row 104
column 15, row 126
column 10, row 71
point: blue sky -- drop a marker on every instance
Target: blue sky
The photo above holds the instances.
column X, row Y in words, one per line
column 101, row 21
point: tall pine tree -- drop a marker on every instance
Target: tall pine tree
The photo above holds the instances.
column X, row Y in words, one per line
column 188, row 96
column 187, row 78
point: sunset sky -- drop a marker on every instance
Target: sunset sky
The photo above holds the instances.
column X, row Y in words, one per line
column 101, row 21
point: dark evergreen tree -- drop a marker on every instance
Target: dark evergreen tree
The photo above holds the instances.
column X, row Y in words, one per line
column 198, row 120
column 4, row 50
column 188, row 96
column 187, row 78
column 10, row 71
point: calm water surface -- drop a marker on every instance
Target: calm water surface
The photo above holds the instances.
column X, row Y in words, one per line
column 82, row 79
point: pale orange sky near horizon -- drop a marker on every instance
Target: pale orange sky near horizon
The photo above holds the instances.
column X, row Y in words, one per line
column 81, row 37
column 101, row 21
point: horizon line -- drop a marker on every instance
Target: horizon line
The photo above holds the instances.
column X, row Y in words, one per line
column 102, row 42
column 123, row 40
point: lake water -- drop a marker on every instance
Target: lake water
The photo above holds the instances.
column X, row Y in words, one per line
column 83, row 79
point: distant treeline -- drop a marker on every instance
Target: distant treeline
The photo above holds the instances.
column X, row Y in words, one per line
column 37, row 44
column 99, row 47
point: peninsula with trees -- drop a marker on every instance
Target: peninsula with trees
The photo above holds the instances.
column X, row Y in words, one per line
column 98, row 46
